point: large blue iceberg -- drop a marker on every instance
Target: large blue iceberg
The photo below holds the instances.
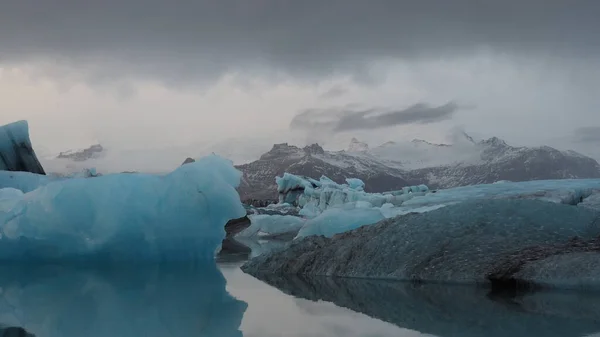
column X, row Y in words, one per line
column 16, row 152
column 124, row 217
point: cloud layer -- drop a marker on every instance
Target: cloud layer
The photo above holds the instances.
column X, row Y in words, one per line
column 199, row 40
column 349, row 119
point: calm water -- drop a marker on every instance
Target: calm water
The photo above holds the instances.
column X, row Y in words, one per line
column 206, row 301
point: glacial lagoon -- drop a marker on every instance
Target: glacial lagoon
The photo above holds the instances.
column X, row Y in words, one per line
column 222, row 301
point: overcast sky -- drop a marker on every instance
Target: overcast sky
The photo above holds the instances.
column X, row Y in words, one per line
column 133, row 73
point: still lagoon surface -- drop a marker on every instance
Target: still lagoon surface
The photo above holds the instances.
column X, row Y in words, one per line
column 222, row 301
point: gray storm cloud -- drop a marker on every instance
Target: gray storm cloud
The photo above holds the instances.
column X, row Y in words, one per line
column 349, row 119
column 200, row 40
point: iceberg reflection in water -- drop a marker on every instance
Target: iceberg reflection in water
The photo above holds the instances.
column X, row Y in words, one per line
column 450, row 310
column 57, row 301
column 52, row 301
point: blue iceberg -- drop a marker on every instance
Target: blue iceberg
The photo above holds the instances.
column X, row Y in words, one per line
column 16, row 152
column 124, row 217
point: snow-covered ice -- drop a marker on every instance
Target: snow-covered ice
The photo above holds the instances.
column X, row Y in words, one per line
column 124, row 217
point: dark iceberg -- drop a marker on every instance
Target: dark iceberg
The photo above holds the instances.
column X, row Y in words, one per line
column 502, row 243
column 16, row 152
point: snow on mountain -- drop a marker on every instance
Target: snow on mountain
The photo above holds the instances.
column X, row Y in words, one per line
column 393, row 165
column 259, row 176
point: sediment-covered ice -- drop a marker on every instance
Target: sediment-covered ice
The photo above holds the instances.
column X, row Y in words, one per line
column 124, row 217
column 494, row 241
column 16, row 152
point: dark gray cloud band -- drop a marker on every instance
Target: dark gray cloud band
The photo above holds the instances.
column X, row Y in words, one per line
column 193, row 40
column 348, row 119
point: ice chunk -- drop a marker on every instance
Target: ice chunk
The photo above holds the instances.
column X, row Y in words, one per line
column 24, row 181
column 272, row 225
column 486, row 241
column 125, row 217
column 10, row 193
column 339, row 220
column 16, row 152
column 355, row 184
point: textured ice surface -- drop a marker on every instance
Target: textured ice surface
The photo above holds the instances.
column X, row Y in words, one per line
column 24, row 181
column 125, row 217
column 16, row 153
column 335, row 208
column 54, row 301
column 483, row 241
column 339, row 220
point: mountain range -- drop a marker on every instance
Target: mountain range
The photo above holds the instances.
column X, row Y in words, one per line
column 393, row 165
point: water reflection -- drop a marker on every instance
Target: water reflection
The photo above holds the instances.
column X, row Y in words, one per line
column 151, row 301
column 444, row 310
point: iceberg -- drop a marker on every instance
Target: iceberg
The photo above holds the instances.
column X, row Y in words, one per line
column 497, row 242
column 337, row 208
column 264, row 225
column 16, row 152
column 124, row 217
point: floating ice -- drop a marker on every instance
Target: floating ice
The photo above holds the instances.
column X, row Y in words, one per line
column 498, row 242
column 16, row 153
column 272, row 225
column 125, row 217
column 336, row 208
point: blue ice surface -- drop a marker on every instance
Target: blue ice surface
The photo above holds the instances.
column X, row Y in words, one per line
column 24, row 181
column 339, row 220
column 334, row 209
column 355, row 184
column 264, row 224
column 124, row 217
column 16, row 152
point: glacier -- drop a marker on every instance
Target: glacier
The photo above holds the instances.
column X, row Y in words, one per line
column 124, row 217
column 497, row 242
column 16, row 152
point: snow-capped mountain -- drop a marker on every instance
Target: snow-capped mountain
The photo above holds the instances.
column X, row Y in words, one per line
column 259, row 176
column 394, row 165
